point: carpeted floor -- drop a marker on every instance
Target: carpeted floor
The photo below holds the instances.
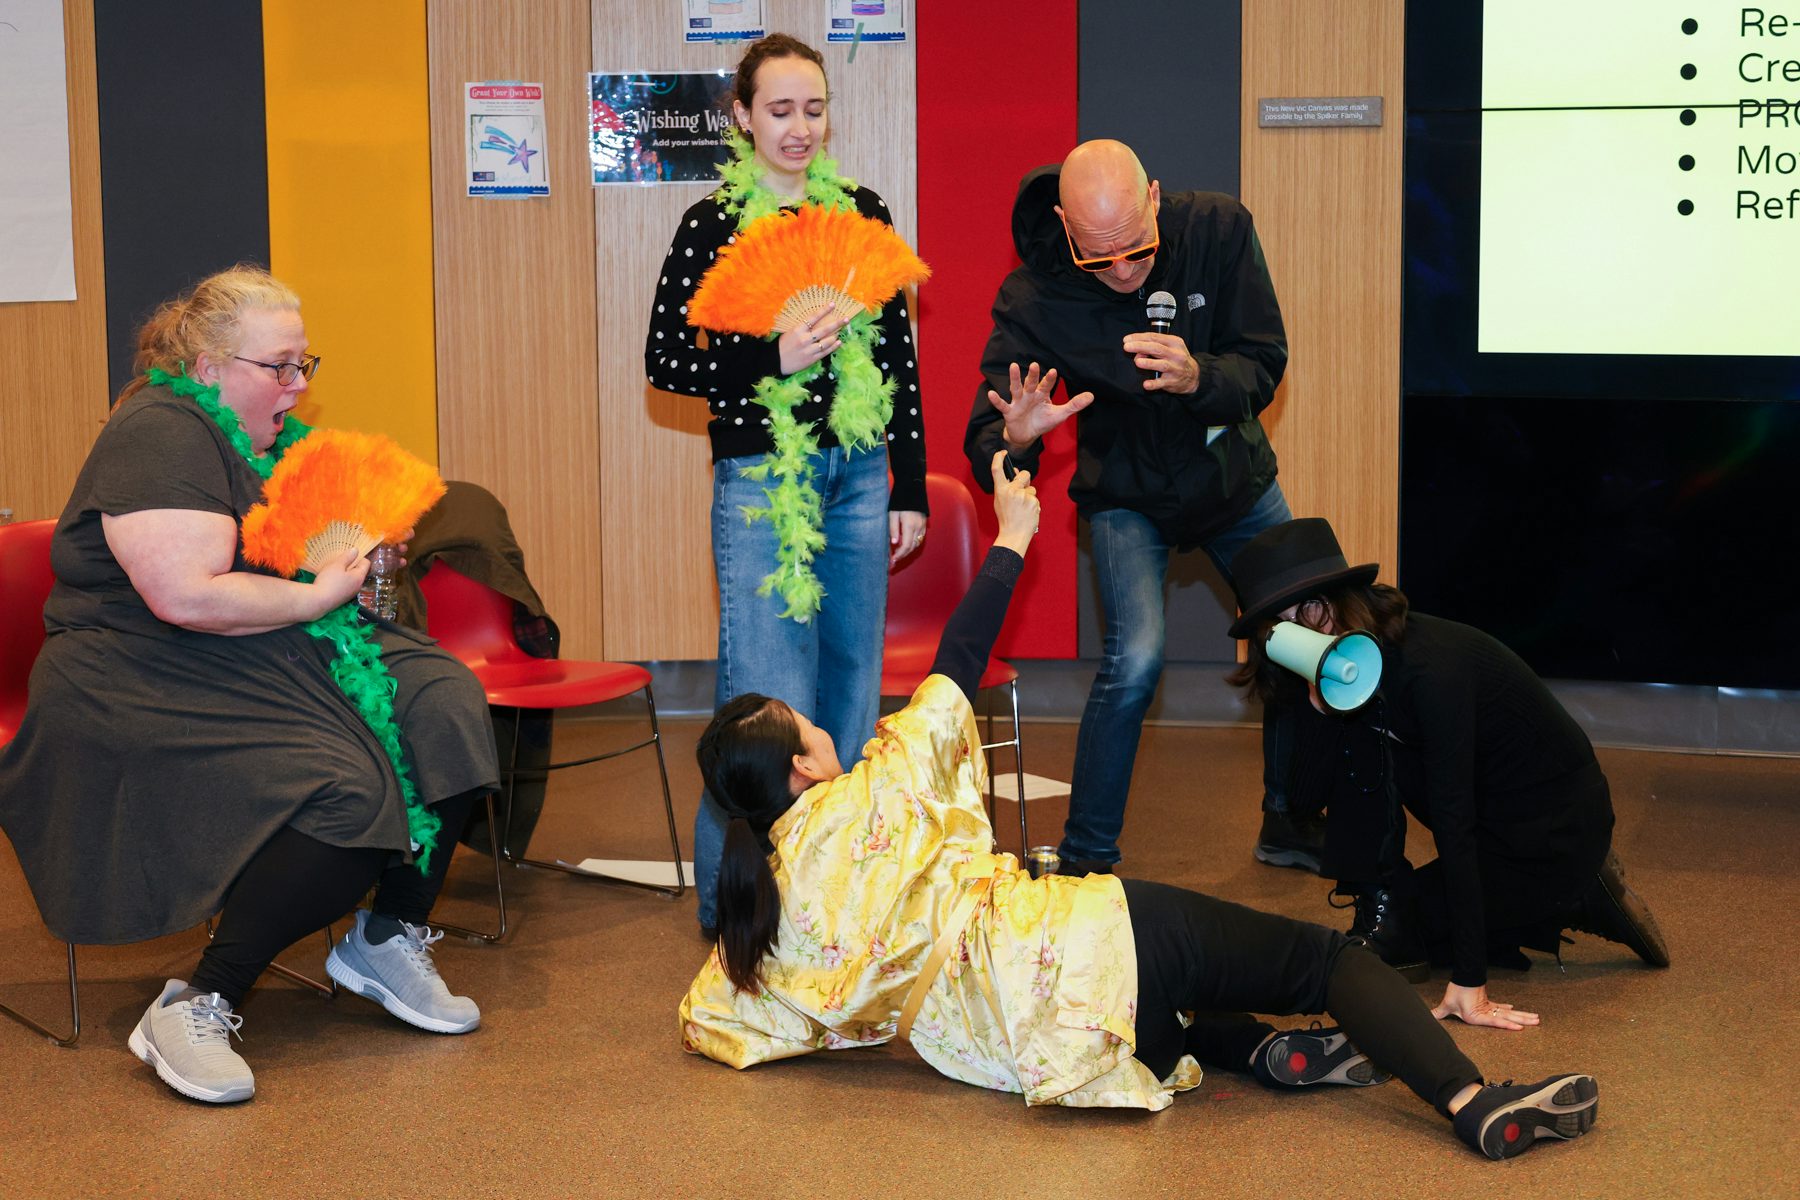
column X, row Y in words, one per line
column 575, row 1084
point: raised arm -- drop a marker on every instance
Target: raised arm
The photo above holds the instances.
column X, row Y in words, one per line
column 969, row 635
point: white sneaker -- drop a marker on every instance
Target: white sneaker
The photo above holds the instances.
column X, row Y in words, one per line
column 400, row 976
column 189, row 1044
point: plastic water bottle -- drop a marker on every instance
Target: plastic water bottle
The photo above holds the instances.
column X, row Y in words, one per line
column 380, row 595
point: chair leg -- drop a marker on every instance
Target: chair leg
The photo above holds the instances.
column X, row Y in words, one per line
column 655, row 740
column 1019, row 772
column 496, row 841
column 74, row 1010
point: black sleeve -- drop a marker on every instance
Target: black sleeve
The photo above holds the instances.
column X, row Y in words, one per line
column 1011, row 342
column 969, row 634
column 1247, row 354
column 1444, row 705
column 897, row 355
column 725, row 369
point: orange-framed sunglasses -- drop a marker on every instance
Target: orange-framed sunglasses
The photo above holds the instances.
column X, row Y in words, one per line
column 1107, row 262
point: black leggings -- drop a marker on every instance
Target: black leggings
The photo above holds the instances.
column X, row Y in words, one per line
column 1223, row 961
column 296, row 885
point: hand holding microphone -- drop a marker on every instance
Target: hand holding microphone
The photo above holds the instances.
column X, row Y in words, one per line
column 1161, row 353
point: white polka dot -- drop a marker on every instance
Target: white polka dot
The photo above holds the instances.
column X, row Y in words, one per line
column 765, row 420
column 743, row 402
column 739, row 421
column 721, row 215
column 694, row 224
column 912, row 387
column 712, row 366
column 659, row 308
column 883, row 342
column 684, row 313
column 689, row 252
column 915, row 433
column 685, row 281
column 659, row 334
column 903, row 310
column 674, row 366
column 736, row 338
column 731, row 240
column 693, row 366
column 905, row 337
column 711, row 254
column 909, row 362
column 665, row 279
column 914, row 411
column 817, row 398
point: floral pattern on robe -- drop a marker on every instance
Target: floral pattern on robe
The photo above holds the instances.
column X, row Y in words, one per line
column 1039, row 995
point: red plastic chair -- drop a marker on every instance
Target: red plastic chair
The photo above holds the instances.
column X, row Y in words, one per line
column 475, row 623
column 923, row 590
column 25, row 583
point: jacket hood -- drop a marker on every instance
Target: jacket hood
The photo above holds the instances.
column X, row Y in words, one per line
column 1037, row 230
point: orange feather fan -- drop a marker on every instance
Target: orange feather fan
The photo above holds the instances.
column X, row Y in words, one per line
column 786, row 266
column 332, row 490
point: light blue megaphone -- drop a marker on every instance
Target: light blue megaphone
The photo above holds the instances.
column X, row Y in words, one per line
column 1347, row 667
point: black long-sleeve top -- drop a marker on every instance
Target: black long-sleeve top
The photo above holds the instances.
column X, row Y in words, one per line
column 723, row 368
column 1487, row 759
column 970, row 632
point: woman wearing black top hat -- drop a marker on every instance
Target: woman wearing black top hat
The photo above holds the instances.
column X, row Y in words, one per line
column 1463, row 735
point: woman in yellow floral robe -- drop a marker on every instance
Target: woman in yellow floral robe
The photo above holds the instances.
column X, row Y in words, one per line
column 863, row 905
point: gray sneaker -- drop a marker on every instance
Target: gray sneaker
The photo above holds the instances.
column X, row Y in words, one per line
column 400, row 976
column 189, row 1044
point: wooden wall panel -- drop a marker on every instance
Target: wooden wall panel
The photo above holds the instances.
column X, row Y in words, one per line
column 56, row 352
column 516, row 302
column 655, row 472
column 1328, row 208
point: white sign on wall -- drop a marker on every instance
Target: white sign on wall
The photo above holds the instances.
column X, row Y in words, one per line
column 37, row 235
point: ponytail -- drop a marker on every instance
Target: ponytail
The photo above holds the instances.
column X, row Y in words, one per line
column 746, row 758
column 749, row 905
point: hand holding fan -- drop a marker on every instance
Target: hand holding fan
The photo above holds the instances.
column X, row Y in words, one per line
column 786, row 266
column 334, row 491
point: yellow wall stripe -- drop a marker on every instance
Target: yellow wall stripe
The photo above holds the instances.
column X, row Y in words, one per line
column 349, row 137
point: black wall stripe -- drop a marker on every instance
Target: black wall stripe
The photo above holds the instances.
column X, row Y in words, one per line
column 1163, row 78
column 184, row 174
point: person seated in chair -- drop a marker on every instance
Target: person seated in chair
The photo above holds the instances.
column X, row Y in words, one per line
column 1464, row 736
column 863, row 905
column 188, row 750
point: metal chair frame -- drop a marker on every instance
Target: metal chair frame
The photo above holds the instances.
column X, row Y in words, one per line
column 502, row 845
column 1018, row 748
column 327, row 989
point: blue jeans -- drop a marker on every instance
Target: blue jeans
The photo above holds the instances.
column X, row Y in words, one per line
column 1132, row 560
column 828, row 669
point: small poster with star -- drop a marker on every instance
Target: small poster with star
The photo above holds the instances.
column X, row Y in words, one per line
column 505, row 127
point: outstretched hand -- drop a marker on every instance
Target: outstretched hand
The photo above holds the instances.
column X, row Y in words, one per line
column 1030, row 414
column 1471, row 1006
column 1015, row 506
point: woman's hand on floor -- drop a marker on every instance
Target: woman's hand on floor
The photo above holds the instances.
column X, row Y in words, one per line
column 1471, row 1006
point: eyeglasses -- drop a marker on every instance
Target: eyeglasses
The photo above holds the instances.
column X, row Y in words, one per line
column 308, row 366
column 1107, row 262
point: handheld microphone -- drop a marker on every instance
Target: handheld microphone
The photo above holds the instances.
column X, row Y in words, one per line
column 1160, row 308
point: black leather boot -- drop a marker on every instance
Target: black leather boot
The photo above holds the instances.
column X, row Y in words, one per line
column 1611, row 910
column 1385, row 923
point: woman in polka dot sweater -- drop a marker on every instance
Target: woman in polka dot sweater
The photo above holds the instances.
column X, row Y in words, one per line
column 826, row 666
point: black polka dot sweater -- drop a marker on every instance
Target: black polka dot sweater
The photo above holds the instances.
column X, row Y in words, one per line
column 724, row 370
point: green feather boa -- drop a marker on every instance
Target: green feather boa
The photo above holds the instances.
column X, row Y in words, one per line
column 860, row 408
column 356, row 666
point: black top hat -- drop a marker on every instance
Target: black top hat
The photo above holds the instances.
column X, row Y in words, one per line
column 1287, row 563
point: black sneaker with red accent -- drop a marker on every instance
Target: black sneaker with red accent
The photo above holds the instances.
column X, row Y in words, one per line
column 1504, row 1119
column 1302, row 1057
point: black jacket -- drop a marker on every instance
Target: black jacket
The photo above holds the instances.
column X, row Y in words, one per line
column 1146, row 451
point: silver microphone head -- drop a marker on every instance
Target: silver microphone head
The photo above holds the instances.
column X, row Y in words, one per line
column 1160, row 306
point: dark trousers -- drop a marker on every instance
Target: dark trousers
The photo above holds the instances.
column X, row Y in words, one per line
column 297, row 885
column 1222, row 961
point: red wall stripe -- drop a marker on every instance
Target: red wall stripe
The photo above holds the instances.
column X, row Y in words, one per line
column 996, row 97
